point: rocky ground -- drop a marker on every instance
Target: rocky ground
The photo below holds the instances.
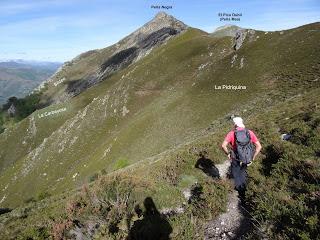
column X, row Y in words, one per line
column 234, row 223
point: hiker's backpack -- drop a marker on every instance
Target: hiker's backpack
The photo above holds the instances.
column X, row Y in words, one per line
column 244, row 147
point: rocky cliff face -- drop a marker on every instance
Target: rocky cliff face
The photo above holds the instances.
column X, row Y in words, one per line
column 127, row 51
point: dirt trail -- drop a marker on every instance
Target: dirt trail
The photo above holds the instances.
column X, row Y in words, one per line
column 232, row 224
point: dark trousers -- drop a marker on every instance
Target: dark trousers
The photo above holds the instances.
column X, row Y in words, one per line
column 239, row 174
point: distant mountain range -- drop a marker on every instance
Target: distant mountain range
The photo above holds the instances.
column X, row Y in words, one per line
column 19, row 77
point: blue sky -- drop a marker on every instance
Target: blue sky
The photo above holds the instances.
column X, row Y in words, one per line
column 59, row 30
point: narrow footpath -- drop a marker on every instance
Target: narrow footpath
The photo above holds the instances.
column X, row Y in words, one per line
column 234, row 223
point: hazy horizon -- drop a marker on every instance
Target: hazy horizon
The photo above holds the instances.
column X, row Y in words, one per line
column 59, row 30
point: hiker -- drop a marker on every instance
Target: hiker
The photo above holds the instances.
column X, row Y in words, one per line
column 245, row 147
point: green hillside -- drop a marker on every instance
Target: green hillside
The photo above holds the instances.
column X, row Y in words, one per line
column 153, row 118
column 166, row 176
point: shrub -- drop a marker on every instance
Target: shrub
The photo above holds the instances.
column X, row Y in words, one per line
column 59, row 228
column 37, row 233
column 283, row 194
column 110, row 202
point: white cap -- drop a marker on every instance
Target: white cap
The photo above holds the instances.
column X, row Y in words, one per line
column 238, row 122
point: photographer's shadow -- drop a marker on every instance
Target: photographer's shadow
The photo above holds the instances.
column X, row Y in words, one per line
column 153, row 225
column 207, row 166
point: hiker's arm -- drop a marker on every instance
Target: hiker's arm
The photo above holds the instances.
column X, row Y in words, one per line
column 258, row 149
column 224, row 147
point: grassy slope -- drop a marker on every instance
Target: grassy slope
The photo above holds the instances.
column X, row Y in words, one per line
column 95, row 138
column 168, row 81
column 283, row 189
column 167, row 175
column 156, row 83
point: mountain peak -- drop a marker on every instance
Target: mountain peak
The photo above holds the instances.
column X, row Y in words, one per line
column 227, row 26
column 163, row 19
column 162, row 14
column 226, row 30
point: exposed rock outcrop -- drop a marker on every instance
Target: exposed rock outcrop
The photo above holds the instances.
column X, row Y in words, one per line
column 12, row 110
column 239, row 38
column 239, row 34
